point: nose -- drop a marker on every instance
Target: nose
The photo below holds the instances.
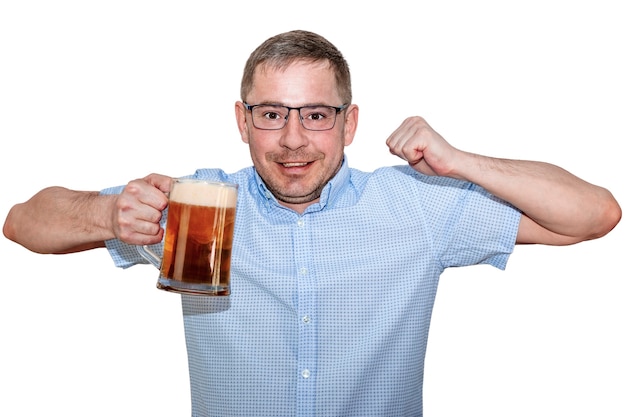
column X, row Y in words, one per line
column 294, row 135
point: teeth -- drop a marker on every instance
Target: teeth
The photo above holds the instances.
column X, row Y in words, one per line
column 294, row 164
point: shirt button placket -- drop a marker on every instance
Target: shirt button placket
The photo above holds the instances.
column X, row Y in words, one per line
column 307, row 339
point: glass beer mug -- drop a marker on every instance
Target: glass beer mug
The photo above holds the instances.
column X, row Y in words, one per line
column 198, row 238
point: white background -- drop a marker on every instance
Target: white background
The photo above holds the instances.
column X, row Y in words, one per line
column 95, row 93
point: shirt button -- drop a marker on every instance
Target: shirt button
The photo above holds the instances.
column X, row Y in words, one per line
column 306, row 373
column 306, row 319
column 300, row 223
column 303, row 271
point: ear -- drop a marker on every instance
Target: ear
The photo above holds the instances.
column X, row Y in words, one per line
column 240, row 114
column 350, row 123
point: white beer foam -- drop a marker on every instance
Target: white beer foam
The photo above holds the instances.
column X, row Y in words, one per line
column 204, row 194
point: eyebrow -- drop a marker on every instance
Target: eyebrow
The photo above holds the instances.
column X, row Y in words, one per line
column 270, row 103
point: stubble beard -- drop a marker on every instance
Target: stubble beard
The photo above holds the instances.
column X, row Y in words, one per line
column 282, row 194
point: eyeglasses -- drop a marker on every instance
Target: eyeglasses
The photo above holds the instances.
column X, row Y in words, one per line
column 274, row 117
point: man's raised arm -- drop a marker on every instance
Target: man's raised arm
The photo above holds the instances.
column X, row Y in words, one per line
column 558, row 207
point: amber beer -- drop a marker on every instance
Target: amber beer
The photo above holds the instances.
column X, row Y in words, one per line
column 199, row 238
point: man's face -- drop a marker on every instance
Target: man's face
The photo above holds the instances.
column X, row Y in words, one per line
column 296, row 163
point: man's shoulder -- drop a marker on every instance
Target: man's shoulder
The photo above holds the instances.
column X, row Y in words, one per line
column 403, row 180
column 393, row 174
column 217, row 174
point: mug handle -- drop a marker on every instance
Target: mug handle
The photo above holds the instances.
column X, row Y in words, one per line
column 150, row 256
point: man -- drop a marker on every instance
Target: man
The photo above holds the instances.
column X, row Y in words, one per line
column 334, row 270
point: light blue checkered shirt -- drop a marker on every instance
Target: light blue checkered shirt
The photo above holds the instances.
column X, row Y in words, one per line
column 330, row 310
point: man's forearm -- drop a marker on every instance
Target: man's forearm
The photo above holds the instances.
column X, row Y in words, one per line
column 59, row 220
column 548, row 194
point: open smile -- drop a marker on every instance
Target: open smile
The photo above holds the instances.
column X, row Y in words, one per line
column 294, row 164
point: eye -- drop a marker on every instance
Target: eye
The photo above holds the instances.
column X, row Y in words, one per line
column 270, row 113
column 316, row 114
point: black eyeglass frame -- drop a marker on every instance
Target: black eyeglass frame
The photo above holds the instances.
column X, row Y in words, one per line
column 289, row 109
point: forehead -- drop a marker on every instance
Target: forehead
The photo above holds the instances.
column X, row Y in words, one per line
column 298, row 83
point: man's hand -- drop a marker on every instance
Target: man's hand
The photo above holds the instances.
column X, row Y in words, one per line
column 138, row 210
column 423, row 148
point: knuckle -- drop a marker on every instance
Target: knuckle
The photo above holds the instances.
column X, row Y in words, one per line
column 133, row 187
column 125, row 235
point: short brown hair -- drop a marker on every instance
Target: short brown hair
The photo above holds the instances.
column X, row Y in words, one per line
column 282, row 50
